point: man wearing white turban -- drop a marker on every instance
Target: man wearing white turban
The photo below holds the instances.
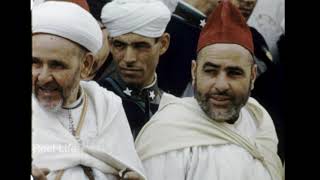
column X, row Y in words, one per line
column 79, row 129
column 137, row 39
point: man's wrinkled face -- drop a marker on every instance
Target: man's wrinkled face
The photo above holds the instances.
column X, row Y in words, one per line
column 223, row 77
column 137, row 58
column 55, row 70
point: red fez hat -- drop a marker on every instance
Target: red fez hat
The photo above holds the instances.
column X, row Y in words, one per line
column 226, row 25
column 82, row 3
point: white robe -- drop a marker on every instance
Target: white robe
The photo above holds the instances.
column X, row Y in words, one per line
column 106, row 144
column 180, row 142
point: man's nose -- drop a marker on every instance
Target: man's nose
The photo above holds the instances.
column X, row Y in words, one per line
column 221, row 83
column 130, row 55
column 44, row 75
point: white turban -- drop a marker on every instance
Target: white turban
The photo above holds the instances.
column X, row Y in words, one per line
column 144, row 17
column 67, row 20
column 171, row 4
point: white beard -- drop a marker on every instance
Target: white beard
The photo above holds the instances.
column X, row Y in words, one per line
column 50, row 107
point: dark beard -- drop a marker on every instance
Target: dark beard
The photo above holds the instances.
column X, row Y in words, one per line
column 231, row 115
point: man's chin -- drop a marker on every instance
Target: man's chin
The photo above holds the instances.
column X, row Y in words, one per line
column 52, row 106
column 222, row 118
column 219, row 117
column 223, row 115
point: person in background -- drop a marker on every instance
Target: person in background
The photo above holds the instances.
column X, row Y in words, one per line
column 137, row 39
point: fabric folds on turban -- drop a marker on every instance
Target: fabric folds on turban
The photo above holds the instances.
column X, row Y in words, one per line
column 67, row 20
column 144, row 17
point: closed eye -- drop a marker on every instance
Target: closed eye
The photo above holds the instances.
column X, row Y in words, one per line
column 141, row 45
column 210, row 70
column 235, row 72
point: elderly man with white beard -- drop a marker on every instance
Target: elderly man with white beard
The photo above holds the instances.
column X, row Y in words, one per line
column 79, row 129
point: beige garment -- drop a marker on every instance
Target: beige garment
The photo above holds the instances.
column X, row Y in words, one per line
column 180, row 123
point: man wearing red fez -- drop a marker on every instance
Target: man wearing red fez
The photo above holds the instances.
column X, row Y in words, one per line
column 221, row 133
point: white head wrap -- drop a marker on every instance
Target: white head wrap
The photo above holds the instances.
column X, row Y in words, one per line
column 36, row 2
column 144, row 17
column 171, row 4
column 67, row 20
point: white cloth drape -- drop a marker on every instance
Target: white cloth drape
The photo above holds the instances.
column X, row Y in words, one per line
column 106, row 143
column 180, row 124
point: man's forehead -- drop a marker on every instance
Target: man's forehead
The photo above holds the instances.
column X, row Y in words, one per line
column 132, row 38
column 227, row 54
column 224, row 64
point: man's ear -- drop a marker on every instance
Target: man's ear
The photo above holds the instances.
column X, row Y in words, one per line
column 164, row 43
column 193, row 72
column 253, row 75
column 86, row 66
